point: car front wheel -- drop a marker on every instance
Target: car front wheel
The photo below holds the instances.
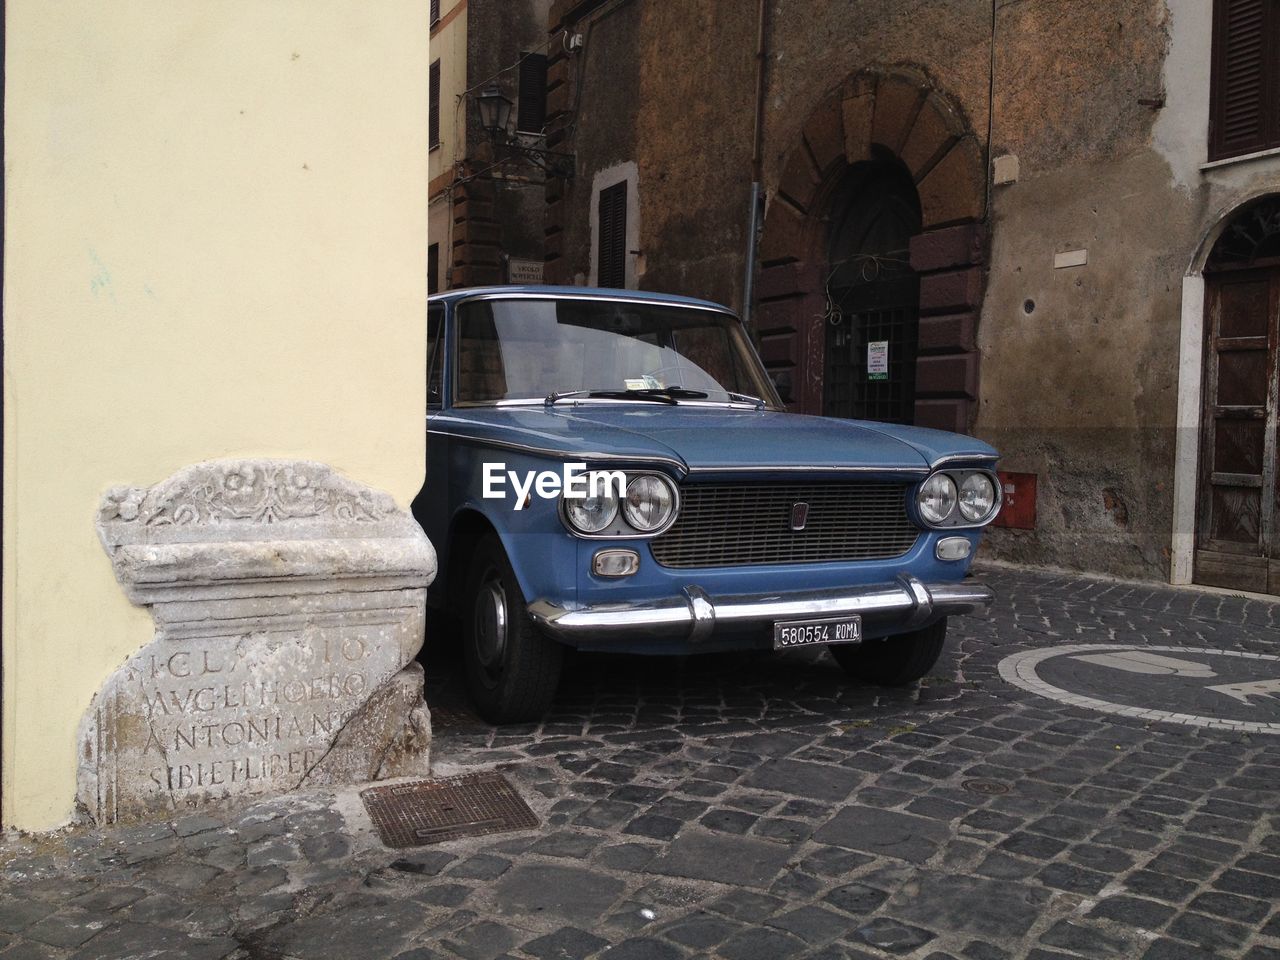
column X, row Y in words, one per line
column 894, row 661
column 512, row 670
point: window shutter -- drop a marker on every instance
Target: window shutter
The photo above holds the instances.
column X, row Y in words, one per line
column 435, row 12
column 1245, row 77
column 612, row 264
column 532, row 116
column 433, row 268
column 433, row 118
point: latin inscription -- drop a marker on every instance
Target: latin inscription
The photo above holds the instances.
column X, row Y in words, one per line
column 219, row 719
column 243, row 770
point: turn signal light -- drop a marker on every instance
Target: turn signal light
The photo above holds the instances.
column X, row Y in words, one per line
column 616, row 563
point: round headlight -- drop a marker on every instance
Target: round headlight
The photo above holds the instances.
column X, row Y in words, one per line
column 977, row 497
column 591, row 514
column 937, row 498
column 649, row 503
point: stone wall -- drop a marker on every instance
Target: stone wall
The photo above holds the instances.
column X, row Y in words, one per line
column 1099, row 111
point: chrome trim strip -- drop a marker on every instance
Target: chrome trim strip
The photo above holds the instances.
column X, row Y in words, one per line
column 965, row 457
column 920, row 596
column 571, row 402
column 574, row 455
column 827, row 468
column 961, row 597
column 885, row 598
column 904, row 605
column 561, row 621
column 596, row 298
column 702, row 611
column 679, row 465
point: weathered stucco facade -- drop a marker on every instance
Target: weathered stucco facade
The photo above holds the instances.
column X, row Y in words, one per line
column 487, row 202
column 1058, row 157
column 447, row 136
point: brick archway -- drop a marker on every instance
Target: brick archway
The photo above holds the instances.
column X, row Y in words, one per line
column 868, row 114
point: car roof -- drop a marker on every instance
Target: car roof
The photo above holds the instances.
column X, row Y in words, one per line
column 539, row 290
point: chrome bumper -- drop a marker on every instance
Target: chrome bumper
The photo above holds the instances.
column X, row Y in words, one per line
column 885, row 608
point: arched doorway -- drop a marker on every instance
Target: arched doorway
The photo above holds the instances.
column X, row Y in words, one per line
column 899, row 130
column 1238, row 494
column 873, row 295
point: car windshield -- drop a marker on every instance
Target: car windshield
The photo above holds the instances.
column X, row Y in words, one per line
column 531, row 349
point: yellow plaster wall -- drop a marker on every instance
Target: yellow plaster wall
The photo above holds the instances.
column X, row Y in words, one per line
column 215, row 246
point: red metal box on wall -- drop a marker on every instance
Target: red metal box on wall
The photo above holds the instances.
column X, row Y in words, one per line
column 1019, row 508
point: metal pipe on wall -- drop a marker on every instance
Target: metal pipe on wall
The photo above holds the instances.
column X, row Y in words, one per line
column 757, row 169
column 753, row 233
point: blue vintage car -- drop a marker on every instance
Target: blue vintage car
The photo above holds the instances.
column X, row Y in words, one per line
column 613, row 470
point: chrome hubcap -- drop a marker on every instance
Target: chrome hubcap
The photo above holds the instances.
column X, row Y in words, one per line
column 491, row 624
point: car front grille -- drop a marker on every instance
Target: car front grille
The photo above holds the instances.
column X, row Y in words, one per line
column 734, row 524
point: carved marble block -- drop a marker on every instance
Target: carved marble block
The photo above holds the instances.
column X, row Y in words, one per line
column 288, row 604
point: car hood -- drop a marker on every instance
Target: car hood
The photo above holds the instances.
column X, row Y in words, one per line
column 709, row 438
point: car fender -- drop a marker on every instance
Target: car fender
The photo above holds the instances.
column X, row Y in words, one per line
column 543, row 554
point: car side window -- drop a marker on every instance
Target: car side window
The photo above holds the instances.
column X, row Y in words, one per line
column 435, row 358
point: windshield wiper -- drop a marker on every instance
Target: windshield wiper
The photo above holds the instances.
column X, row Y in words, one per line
column 654, row 396
column 746, row 398
column 676, row 393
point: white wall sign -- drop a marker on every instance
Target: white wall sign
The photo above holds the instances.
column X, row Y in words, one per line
column 878, row 360
column 524, row 271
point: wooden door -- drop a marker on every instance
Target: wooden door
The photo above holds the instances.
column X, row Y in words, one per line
column 1238, row 533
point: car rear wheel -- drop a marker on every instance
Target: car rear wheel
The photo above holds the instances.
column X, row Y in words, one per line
column 512, row 670
column 894, row 661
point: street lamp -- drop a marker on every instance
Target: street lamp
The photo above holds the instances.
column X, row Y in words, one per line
column 495, row 111
column 494, row 108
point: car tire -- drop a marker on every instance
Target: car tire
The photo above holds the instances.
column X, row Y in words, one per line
column 894, row 661
column 512, row 670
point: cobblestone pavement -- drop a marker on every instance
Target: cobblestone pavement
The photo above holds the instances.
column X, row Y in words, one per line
column 744, row 807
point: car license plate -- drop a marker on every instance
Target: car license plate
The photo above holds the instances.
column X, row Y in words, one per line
column 806, row 633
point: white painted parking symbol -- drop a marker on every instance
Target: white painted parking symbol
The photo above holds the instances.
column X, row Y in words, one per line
column 1140, row 661
column 1169, row 689
column 1243, row 691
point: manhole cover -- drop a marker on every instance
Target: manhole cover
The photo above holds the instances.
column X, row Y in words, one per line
column 431, row 811
column 986, row 788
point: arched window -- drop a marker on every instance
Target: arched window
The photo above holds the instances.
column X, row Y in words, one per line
column 1251, row 239
column 873, row 295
